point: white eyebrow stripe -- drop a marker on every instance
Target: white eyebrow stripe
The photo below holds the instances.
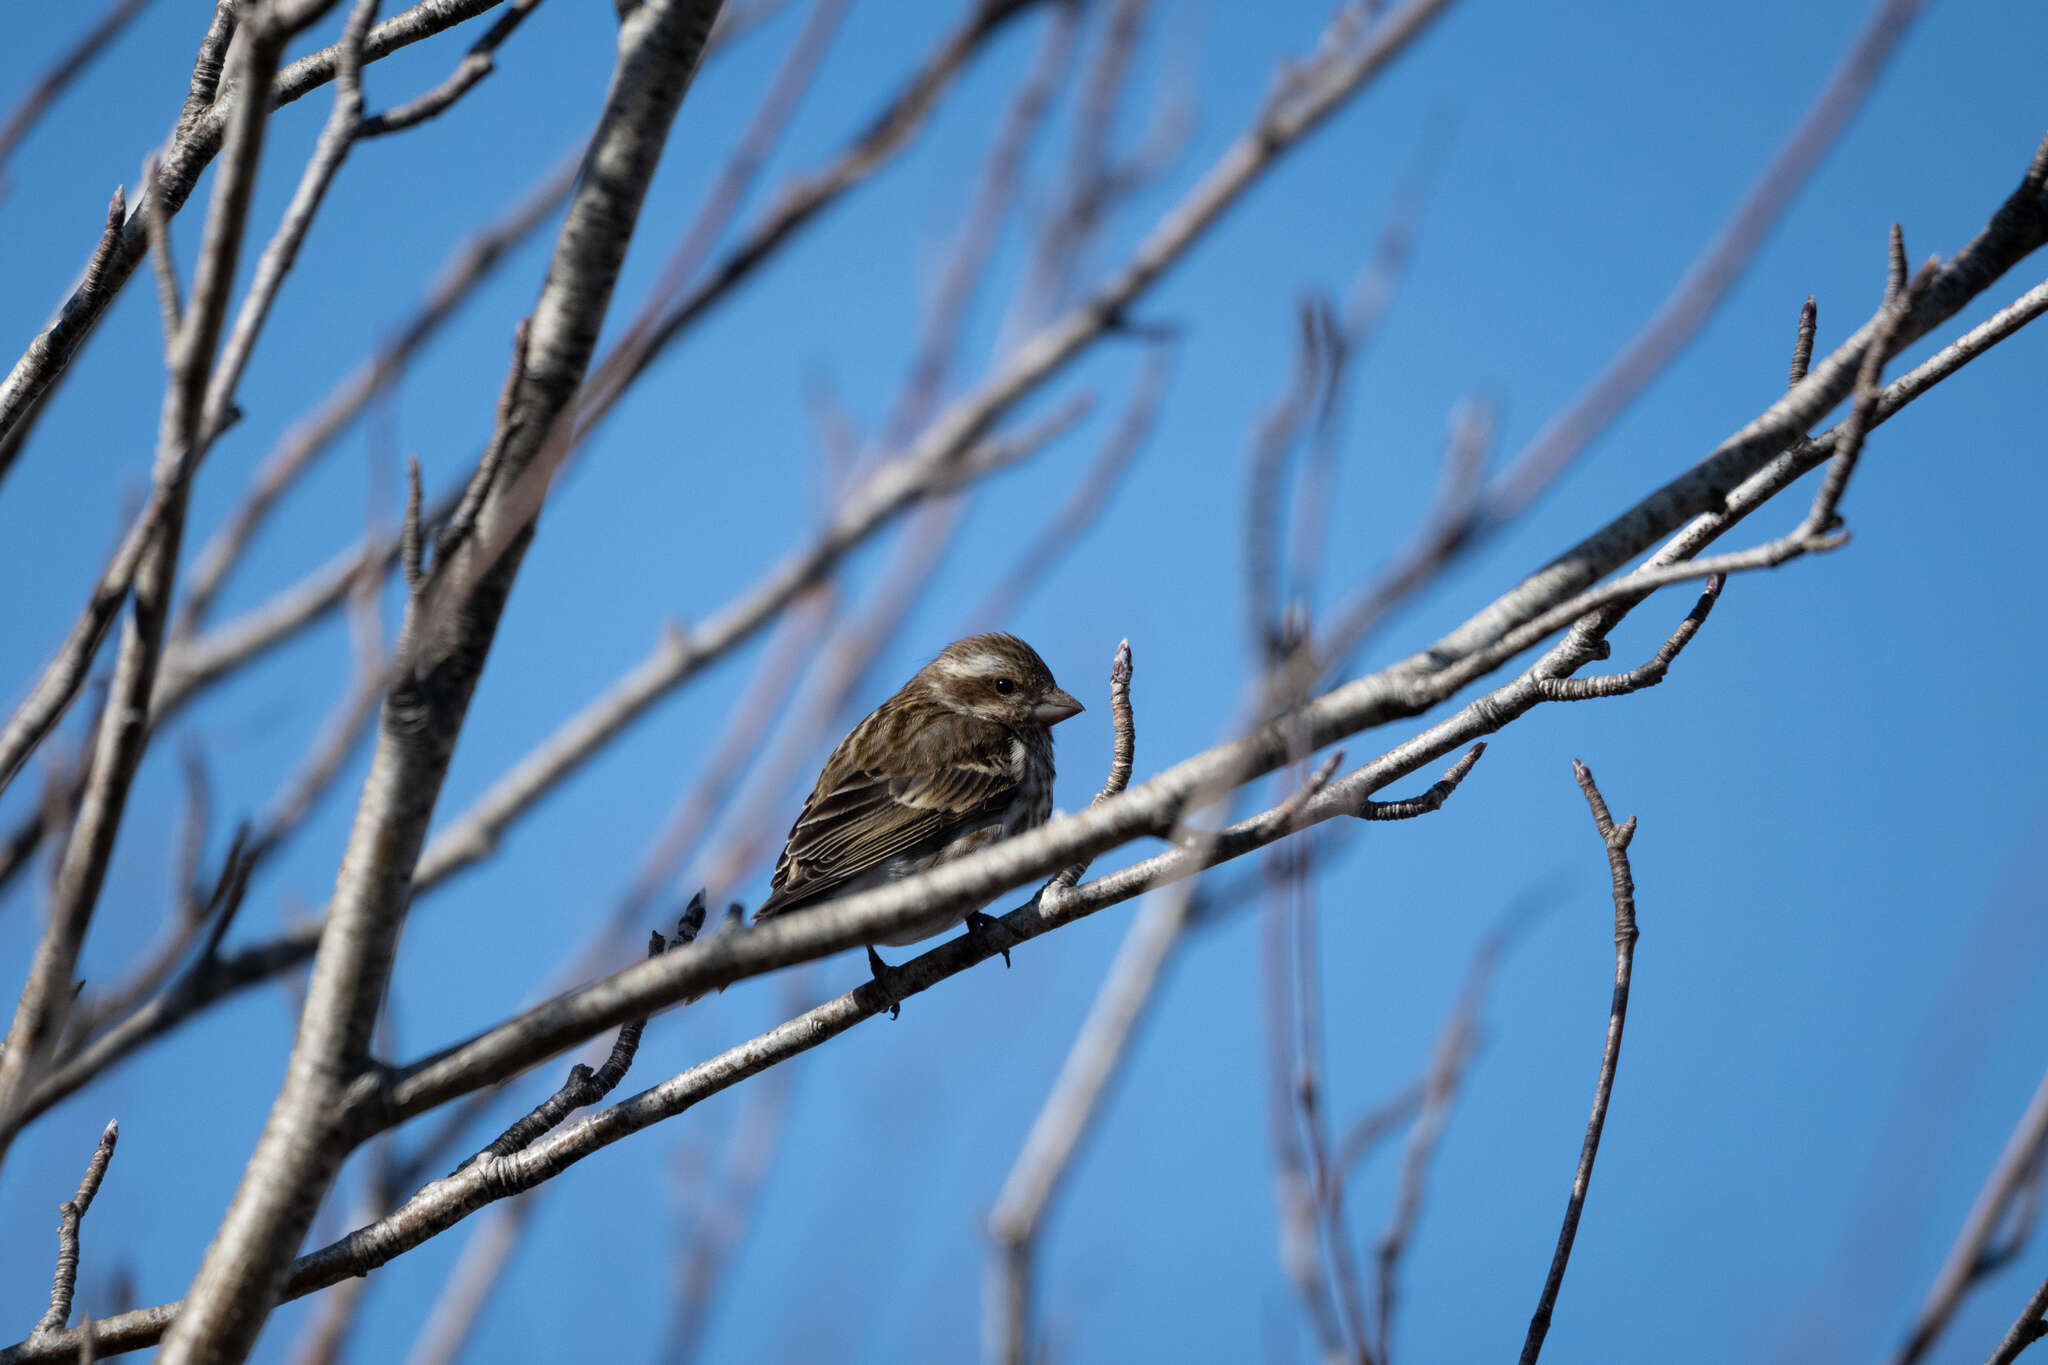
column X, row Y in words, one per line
column 980, row 663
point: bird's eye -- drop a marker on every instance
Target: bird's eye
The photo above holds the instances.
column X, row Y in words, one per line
column 1005, row 686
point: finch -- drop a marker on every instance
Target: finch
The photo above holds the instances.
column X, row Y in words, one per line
column 959, row 758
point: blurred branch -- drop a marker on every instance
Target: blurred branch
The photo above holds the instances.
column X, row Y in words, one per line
column 1650, row 351
column 1616, row 839
column 1767, row 450
column 1062, row 1122
column 52, row 83
column 2014, row 1183
column 888, row 133
column 452, row 1320
column 739, row 19
column 1438, row 1090
column 1087, row 503
column 727, row 1212
column 207, row 408
column 472, row 263
column 195, row 663
column 446, row 1202
column 629, row 355
column 849, row 656
column 1321, row 1269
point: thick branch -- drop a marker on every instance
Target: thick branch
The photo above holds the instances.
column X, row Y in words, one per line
column 243, row 1272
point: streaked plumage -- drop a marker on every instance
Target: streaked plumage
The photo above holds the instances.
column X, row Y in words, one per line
column 959, row 758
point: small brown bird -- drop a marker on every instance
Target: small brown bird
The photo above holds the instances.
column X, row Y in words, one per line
column 958, row 759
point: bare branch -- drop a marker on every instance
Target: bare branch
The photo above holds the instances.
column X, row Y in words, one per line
column 476, row 64
column 1971, row 1258
column 1707, row 281
column 243, row 1272
column 337, row 135
column 885, row 135
column 2028, row 1328
column 202, row 130
column 1616, row 839
column 727, row 1211
column 1062, row 1121
column 1089, row 500
column 584, row 1086
column 856, row 920
column 71, row 1214
column 1434, row 1095
column 1802, row 347
column 170, row 304
column 62, row 72
column 40, row 1015
column 1678, row 319
column 207, row 67
column 452, row 1320
column 472, row 263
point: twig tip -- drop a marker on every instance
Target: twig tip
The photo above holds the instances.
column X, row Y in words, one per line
column 692, row 921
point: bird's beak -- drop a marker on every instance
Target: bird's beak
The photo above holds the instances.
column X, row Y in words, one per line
column 1057, row 706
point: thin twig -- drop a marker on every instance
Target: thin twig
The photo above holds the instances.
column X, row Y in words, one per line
column 1741, row 474
column 1616, row 840
column 476, row 64
column 1802, row 345
column 441, row 657
column 1057, row 1132
column 188, row 406
column 856, row 920
column 446, row 1202
column 1089, row 500
column 1456, row 1043
column 722, row 1223
column 202, row 130
column 469, row 267
column 72, row 1213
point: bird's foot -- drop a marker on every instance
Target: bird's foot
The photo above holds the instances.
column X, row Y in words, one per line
column 883, row 973
column 985, row 928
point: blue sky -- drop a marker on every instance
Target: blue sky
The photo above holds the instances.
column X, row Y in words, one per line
column 1839, row 999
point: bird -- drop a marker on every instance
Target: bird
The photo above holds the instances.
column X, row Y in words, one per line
column 959, row 758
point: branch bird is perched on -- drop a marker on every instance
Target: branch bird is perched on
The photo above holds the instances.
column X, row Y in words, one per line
column 959, row 758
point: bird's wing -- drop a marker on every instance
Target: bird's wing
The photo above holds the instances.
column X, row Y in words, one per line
column 858, row 820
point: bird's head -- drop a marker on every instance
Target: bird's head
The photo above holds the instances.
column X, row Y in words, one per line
column 1000, row 678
